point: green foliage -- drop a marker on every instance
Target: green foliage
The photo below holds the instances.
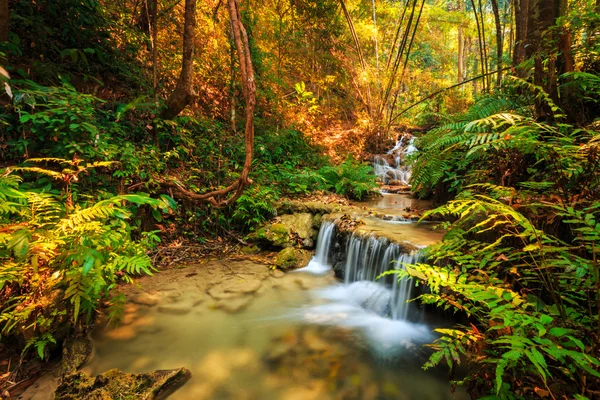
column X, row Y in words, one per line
column 255, row 206
column 68, row 39
column 60, row 261
column 350, row 178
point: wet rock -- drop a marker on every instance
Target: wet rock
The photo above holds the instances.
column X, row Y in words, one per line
column 76, row 352
column 234, row 287
column 234, row 305
column 292, row 258
column 275, row 235
column 42, row 389
column 145, row 299
column 250, row 250
column 149, row 330
column 313, row 207
column 277, row 273
column 116, row 384
column 174, row 309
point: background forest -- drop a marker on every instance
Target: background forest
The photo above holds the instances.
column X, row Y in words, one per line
column 129, row 124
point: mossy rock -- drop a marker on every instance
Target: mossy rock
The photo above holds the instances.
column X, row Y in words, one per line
column 116, row 384
column 313, row 207
column 250, row 250
column 292, row 258
column 76, row 352
column 275, row 235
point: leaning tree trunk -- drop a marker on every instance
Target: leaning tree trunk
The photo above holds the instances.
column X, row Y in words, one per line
column 4, row 18
column 218, row 198
column 184, row 93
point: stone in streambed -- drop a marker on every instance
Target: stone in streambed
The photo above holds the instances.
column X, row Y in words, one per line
column 145, row 299
column 76, row 352
column 116, row 384
column 234, row 287
column 233, row 306
column 174, row 309
column 292, row 258
column 277, row 273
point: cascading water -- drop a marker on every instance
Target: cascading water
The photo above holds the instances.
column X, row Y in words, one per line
column 391, row 168
column 379, row 307
column 320, row 262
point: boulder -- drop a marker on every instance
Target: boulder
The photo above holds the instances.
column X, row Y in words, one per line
column 292, row 258
column 76, row 351
column 116, row 384
column 302, row 224
column 274, row 235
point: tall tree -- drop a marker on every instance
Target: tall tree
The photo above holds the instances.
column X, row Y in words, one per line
column 184, row 91
column 499, row 41
column 520, row 52
column 219, row 198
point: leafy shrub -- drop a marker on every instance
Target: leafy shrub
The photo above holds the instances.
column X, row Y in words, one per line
column 60, row 260
column 350, row 178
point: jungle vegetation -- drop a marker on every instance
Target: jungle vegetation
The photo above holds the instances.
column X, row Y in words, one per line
column 124, row 121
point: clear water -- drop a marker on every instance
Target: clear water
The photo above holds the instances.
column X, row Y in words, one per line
column 305, row 335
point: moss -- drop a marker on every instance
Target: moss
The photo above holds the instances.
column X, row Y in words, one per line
column 292, row 258
column 116, row 384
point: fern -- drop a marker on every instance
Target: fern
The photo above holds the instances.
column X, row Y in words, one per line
column 47, row 251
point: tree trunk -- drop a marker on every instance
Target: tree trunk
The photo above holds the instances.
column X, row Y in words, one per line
column 499, row 41
column 4, row 18
column 154, row 34
column 521, row 12
column 218, row 197
column 481, row 44
column 460, row 67
column 183, row 93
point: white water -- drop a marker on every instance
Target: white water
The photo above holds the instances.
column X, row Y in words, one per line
column 399, row 171
column 319, row 264
column 378, row 308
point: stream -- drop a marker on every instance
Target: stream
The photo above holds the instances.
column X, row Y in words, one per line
column 246, row 332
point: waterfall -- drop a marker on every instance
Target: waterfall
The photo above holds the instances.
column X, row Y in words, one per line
column 320, row 262
column 397, row 172
column 366, row 258
column 377, row 308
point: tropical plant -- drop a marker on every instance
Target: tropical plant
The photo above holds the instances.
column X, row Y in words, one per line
column 59, row 261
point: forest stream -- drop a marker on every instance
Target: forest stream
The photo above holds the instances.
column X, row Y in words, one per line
column 247, row 332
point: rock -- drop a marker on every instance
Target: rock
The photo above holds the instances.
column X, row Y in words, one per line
column 174, row 309
column 275, row 235
column 76, row 352
column 234, row 287
column 149, row 330
column 234, row 305
column 277, row 273
column 116, row 384
column 42, row 389
column 313, row 207
column 292, row 258
column 145, row 299
column 250, row 250
column 302, row 225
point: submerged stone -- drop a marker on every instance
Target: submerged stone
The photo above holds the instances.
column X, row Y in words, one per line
column 234, row 287
column 174, row 309
column 116, row 384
